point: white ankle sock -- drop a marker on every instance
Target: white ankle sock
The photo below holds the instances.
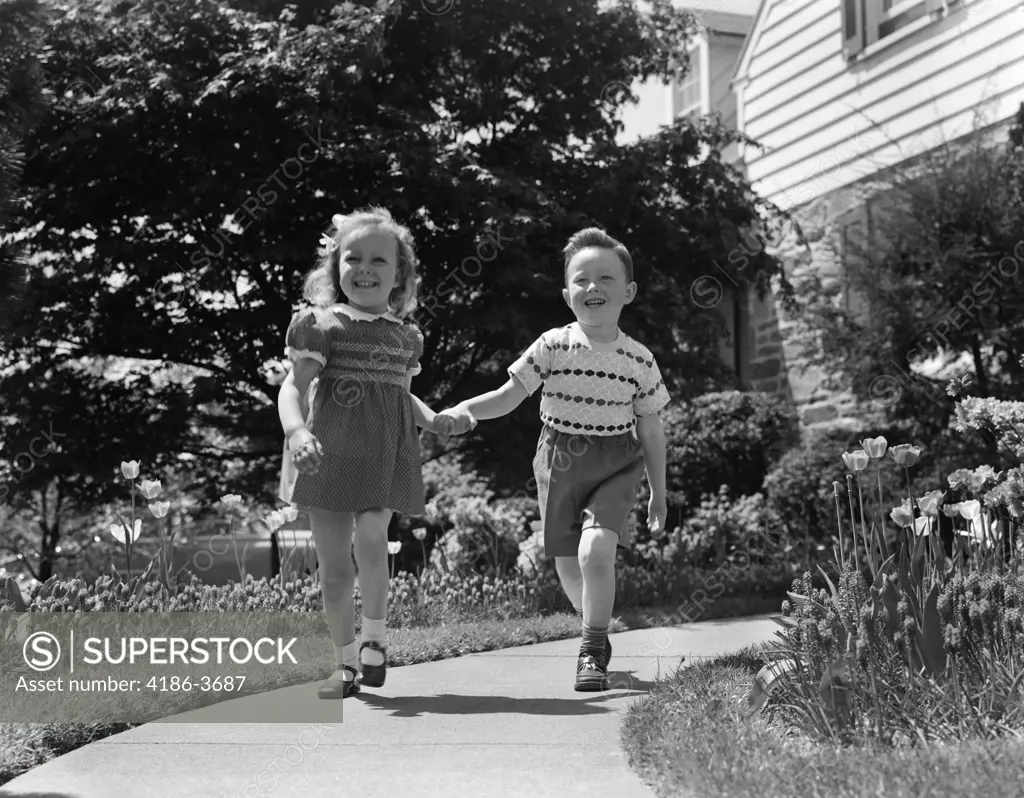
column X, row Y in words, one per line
column 374, row 629
column 347, row 655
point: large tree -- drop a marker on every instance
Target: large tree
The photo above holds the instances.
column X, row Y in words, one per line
column 178, row 191
column 22, row 106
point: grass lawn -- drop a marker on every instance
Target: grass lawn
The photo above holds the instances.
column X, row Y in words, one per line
column 25, row 745
column 694, row 736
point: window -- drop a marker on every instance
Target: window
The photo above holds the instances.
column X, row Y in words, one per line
column 688, row 96
column 868, row 21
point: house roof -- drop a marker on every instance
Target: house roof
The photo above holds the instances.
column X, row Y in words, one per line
column 745, row 8
column 747, row 52
column 729, row 17
column 724, row 22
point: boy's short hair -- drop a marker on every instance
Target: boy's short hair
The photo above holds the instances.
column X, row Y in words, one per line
column 595, row 237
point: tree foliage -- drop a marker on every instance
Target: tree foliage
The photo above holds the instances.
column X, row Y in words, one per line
column 22, row 105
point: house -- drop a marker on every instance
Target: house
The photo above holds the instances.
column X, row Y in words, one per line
column 706, row 87
column 837, row 93
column 723, row 27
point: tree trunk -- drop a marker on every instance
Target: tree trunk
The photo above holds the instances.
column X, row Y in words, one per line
column 979, row 368
column 49, row 535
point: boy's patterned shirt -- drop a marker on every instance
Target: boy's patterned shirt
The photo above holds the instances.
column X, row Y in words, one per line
column 591, row 388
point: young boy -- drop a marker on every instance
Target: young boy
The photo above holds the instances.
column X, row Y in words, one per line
column 601, row 395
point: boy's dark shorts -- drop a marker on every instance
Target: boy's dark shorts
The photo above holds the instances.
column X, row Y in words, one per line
column 587, row 480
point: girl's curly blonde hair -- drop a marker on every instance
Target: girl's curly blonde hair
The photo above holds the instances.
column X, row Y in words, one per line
column 323, row 285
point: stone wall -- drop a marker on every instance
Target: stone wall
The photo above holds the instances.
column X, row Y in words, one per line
column 772, row 359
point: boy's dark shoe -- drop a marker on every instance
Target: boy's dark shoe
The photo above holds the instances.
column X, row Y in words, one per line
column 591, row 672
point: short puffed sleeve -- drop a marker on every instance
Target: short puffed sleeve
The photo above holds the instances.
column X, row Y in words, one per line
column 651, row 395
column 416, row 343
column 533, row 366
column 307, row 337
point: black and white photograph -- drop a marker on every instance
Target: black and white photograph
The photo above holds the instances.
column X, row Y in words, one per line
column 531, row 398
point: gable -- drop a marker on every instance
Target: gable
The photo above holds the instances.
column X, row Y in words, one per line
column 749, row 44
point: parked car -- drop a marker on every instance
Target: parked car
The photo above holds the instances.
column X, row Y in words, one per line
column 213, row 557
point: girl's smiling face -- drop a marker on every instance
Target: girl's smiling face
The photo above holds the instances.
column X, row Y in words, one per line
column 368, row 268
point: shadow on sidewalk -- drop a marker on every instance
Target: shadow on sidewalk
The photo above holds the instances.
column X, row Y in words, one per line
column 4, row 793
column 448, row 704
column 766, row 616
column 414, row 706
column 625, row 680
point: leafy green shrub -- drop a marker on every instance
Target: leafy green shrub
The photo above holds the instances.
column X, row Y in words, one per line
column 671, row 571
column 690, row 591
column 994, row 422
column 474, row 530
column 717, row 528
column 720, row 526
column 481, row 536
column 799, row 489
column 727, row 438
column 468, row 526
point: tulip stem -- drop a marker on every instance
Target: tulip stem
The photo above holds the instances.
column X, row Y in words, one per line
column 839, row 523
column 130, row 536
column 985, row 531
column 853, row 522
column 881, row 515
column 295, row 548
column 881, row 503
column 868, row 547
column 234, row 542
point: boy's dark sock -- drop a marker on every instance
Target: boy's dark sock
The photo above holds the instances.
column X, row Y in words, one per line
column 594, row 639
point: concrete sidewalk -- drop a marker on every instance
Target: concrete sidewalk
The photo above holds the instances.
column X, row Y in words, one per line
column 502, row 723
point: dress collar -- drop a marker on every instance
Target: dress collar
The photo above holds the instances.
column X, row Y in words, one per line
column 361, row 315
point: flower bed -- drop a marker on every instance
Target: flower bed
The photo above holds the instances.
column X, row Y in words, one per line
column 908, row 665
column 916, row 640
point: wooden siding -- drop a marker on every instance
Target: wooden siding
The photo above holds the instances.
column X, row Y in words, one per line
column 826, row 123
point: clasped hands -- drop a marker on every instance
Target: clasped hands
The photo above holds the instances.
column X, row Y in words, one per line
column 453, row 421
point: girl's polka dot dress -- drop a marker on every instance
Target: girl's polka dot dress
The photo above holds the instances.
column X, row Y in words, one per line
column 359, row 410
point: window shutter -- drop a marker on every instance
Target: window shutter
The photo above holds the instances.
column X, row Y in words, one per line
column 872, row 21
column 853, row 26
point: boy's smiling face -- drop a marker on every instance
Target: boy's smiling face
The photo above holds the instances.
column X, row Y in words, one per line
column 596, row 287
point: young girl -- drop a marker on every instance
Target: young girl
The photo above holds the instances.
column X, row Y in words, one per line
column 352, row 441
